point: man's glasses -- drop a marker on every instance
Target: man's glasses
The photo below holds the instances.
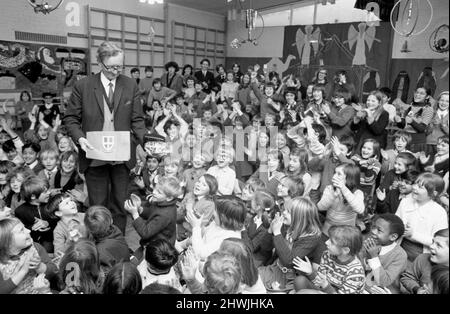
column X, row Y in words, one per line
column 113, row 67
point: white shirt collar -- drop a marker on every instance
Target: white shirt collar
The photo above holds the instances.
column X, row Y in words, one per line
column 386, row 249
column 51, row 171
column 33, row 164
column 106, row 81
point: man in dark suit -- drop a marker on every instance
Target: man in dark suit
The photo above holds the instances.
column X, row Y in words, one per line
column 206, row 77
column 106, row 101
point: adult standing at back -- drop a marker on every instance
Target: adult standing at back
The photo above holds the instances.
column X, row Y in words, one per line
column 106, row 101
column 205, row 76
column 171, row 79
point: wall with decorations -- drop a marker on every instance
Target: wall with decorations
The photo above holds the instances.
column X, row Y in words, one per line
column 372, row 61
column 48, row 52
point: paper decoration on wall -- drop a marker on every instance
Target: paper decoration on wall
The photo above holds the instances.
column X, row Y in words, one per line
column 427, row 79
column 31, row 71
column 361, row 37
column 39, row 68
column 73, row 17
column 373, row 14
column 47, row 60
column 276, row 65
column 12, row 55
column 371, row 82
column 384, row 7
column 304, row 42
column 400, row 88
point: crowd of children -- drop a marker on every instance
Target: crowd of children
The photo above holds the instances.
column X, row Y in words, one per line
column 247, row 183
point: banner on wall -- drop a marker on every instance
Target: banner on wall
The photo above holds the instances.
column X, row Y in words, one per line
column 360, row 49
column 40, row 68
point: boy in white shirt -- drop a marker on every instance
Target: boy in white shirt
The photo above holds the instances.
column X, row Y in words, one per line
column 225, row 176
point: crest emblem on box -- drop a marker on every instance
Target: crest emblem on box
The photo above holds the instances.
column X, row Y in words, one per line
column 108, row 143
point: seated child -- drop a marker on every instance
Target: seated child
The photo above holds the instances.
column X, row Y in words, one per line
column 70, row 227
column 388, row 194
column 422, row 215
column 191, row 175
column 30, row 154
column 401, row 142
column 49, row 159
column 15, row 179
column 298, row 168
column 439, row 279
column 417, row 274
column 160, row 257
column 68, row 179
column 296, row 234
column 251, row 282
column 256, row 233
column 144, row 181
column 342, row 200
column 122, row 278
column 201, row 201
column 384, row 258
column 369, row 166
column 5, row 189
column 22, row 261
column 438, row 163
column 225, row 176
column 222, row 274
column 10, row 149
column 84, row 255
column 31, row 213
column 271, row 172
column 340, row 271
column 229, row 218
column 156, row 219
column 109, row 240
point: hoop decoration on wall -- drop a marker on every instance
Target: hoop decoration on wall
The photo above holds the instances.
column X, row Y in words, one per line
column 439, row 39
column 408, row 19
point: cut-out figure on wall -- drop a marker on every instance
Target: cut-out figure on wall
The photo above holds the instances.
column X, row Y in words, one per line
column 48, row 61
column 400, row 88
column 361, row 37
column 373, row 14
column 427, row 79
column 304, row 41
column 276, row 65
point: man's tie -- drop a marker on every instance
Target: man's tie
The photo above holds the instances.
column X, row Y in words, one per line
column 49, row 175
column 111, row 96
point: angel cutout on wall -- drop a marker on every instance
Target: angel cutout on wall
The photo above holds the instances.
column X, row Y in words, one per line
column 361, row 37
column 304, row 41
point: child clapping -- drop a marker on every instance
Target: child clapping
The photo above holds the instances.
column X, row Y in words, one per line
column 385, row 258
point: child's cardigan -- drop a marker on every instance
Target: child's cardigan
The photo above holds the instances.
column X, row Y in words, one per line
column 26, row 285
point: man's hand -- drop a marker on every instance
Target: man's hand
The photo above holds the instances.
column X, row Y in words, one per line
column 84, row 144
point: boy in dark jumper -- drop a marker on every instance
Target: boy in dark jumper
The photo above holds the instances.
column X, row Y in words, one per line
column 34, row 191
column 109, row 240
column 417, row 276
column 157, row 219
